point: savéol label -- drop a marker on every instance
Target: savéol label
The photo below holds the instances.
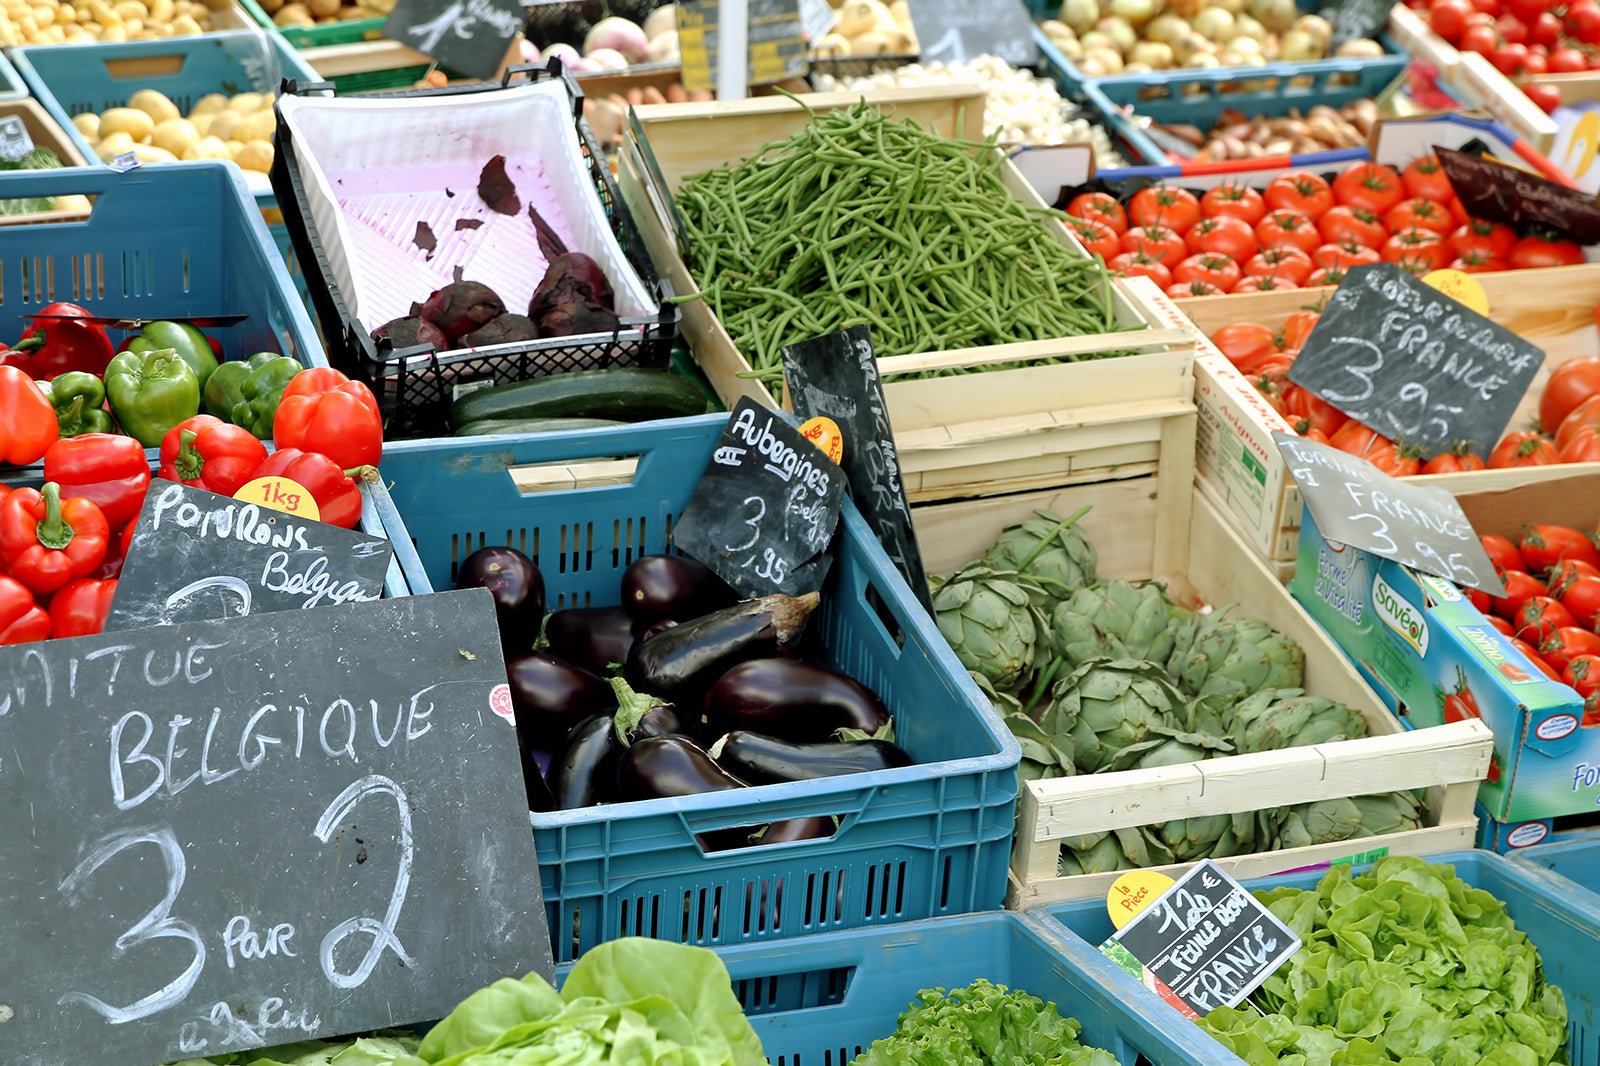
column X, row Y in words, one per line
column 1400, row 614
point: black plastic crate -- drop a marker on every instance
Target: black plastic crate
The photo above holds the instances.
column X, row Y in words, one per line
column 415, row 386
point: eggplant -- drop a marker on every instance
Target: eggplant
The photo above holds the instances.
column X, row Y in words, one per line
column 550, row 695
column 681, row 663
column 641, row 715
column 763, row 760
column 591, row 637
column 659, row 721
column 656, row 627
column 539, row 796
column 584, row 772
column 792, row 829
column 658, row 587
column 670, row 766
column 794, row 700
column 518, row 590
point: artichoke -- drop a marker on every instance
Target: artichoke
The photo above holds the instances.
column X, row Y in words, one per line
column 1120, row 849
column 1214, row 836
column 1287, row 718
column 1115, row 710
column 1052, row 551
column 988, row 619
column 1116, row 620
column 1233, row 658
column 1348, row 818
column 1043, row 755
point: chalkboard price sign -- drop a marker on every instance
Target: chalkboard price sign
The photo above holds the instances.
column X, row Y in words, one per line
column 1353, row 502
column 1516, row 197
column 1208, row 939
column 1402, row 358
column 836, row 377
column 196, row 555
column 467, row 36
column 955, row 31
column 764, row 513
column 227, row 835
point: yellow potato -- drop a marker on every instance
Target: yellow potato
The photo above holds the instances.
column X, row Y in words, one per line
column 156, row 105
column 149, row 153
column 255, row 155
column 184, row 26
column 74, row 203
column 257, row 127
column 162, row 10
column 323, row 9
column 44, row 16
column 294, row 15
column 131, row 9
column 208, row 148
column 113, row 33
column 249, row 103
column 175, row 135
column 222, row 124
column 209, row 104
column 88, row 124
column 233, row 148
column 114, row 145
column 201, row 123
column 130, row 120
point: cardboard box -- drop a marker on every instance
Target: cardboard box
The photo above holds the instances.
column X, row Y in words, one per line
column 1423, row 646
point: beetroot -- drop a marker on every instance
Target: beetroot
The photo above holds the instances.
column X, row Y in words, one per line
column 573, row 278
column 571, row 319
column 410, row 332
column 496, row 189
column 550, row 244
column 461, row 307
column 503, row 330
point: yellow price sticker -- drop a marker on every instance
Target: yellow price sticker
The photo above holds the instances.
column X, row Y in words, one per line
column 1461, row 287
column 281, row 494
column 825, row 434
column 1133, row 892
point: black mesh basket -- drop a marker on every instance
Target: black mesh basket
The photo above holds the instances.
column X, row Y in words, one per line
column 415, row 386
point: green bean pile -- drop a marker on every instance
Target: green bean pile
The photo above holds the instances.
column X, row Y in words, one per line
column 858, row 219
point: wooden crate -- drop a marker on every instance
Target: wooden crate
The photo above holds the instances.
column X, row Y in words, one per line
column 45, row 132
column 1026, row 427
column 1554, row 308
column 1202, row 560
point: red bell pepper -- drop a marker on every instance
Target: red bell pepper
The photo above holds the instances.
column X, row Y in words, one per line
column 208, row 453
column 110, row 469
column 80, row 607
column 125, row 541
column 325, row 412
column 59, row 344
column 27, row 421
column 46, row 541
column 335, row 490
column 21, row 620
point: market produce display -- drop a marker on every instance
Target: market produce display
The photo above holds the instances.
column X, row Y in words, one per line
column 868, row 28
column 56, row 22
column 1139, row 36
column 615, row 43
column 1303, row 230
column 981, row 1023
column 1404, row 963
column 1320, row 129
column 1522, row 38
column 308, row 14
column 237, row 128
column 1020, row 108
column 1098, row 676
column 982, row 270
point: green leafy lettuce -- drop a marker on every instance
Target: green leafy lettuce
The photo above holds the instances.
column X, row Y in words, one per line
column 380, row 1049
column 38, row 159
column 1404, row 964
column 979, row 1025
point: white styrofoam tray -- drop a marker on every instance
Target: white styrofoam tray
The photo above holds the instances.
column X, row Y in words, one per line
column 372, row 169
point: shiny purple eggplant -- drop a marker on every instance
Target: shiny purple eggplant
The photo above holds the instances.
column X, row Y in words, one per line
column 795, row 700
column 681, row 663
column 658, row 587
column 550, row 695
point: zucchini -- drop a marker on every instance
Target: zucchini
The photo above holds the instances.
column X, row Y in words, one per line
column 486, row 426
column 626, row 395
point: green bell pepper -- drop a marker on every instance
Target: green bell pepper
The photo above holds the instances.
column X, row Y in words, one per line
column 247, row 393
column 151, row 392
column 182, row 338
column 79, row 399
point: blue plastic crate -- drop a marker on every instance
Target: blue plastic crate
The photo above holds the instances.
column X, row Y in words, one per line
column 1564, row 930
column 11, row 84
column 1574, row 858
column 72, row 79
column 918, row 842
column 821, row 1000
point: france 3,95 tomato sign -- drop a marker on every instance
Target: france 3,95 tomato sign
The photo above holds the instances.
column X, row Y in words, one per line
column 226, row 835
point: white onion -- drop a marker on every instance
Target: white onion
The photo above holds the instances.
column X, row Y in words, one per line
column 1080, row 14
column 1121, row 32
column 1275, row 15
column 1166, row 28
column 1137, row 12
column 1298, row 46
column 1154, row 54
column 1214, row 23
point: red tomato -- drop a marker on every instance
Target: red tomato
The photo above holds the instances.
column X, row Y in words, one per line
column 1218, row 270
column 1345, row 224
column 1502, row 552
column 1180, row 291
column 1449, row 17
column 1140, row 265
column 1570, row 385
column 1585, row 414
column 1419, row 213
column 1416, row 250
column 1546, row 98
column 1581, row 596
column 1545, row 30
column 1257, row 283
column 1345, row 255
column 1233, row 201
column 1326, row 276
column 1298, row 327
column 1476, row 263
column 1285, row 227
column 1369, row 186
column 1480, row 39
column 1223, row 235
column 1243, row 342
column 1285, row 263
column 1102, row 207
column 1543, row 546
column 1583, row 674
column 1424, row 179
column 1567, row 60
column 1582, row 446
column 1301, row 192
column 1455, row 461
column 1164, row 206
column 1492, row 240
column 1520, row 588
column 1523, row 448
column 1536, row 659
column 1566, row 572
column 1567, row 643
column 1538, row 250
column 1500, row 623
column 1526, row 10
column 1156, row 242
column 1097, row 237
column 1538, row 619
column 1301, row 405
column 1511, row 29
column 1582, row 21
column 1509, row 57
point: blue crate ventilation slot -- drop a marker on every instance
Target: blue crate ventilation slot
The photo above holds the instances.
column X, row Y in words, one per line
column 1563, row 926
column 928, row 840
column 12, row 86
